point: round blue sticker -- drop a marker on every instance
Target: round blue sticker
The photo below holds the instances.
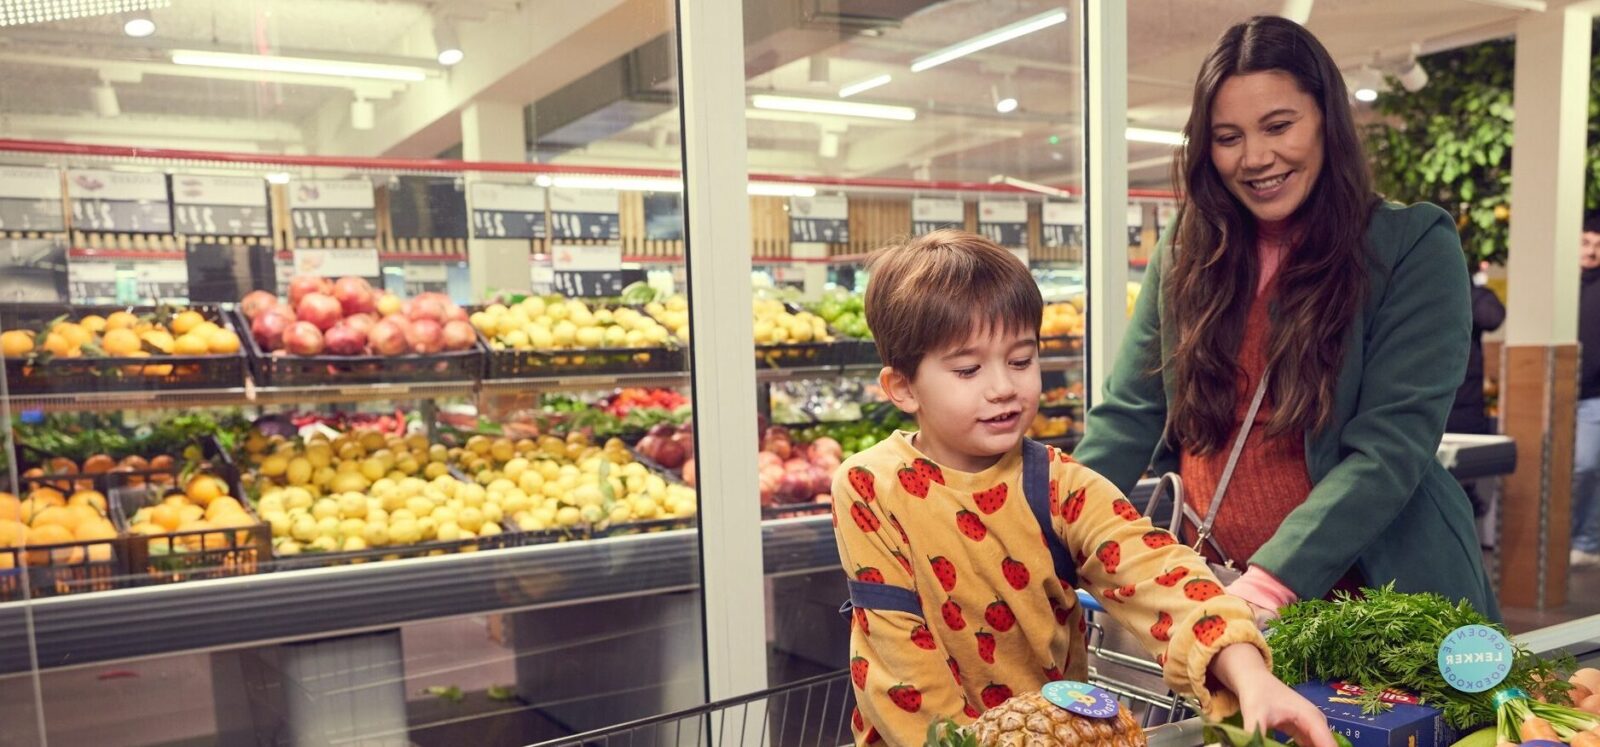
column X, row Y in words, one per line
column 1474, row 658
column 1085, row 700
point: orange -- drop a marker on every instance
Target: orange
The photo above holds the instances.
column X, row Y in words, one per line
column 62, row 517
column 48, row 495
column 51, row 534
column 190, row 512
column 55, row 344
column 191, row 344
column 10, row 508
column 207, row 541
column 75, row 334
column 120, row 343
column 147, row 529
column 185, row 321
column 235, row 520
column 159, row 339
column 222, row 505
column 86, row 514
column 94, row 323
column 16, row 343
column 166, row 516
column 13, row 533
column 223, row 342
column 205, row 330
column 203, row 489
column 121, row 320
column 92, row 498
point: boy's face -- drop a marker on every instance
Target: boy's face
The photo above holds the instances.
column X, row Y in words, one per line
column 973, row 401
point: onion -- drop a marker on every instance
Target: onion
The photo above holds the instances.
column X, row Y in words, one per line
column 268, row 328
column 320, row 309
column 355, row 295
column 345, row 340
column 459, row 335
column 303, row 338
column 255, row 302
column 304, row 285
column 425, row 336
column 387, row 337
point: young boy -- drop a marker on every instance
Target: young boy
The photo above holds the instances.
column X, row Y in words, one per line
column 937, row 522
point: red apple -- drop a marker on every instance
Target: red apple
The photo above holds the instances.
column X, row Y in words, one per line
column 255, row 302
column 355, row 295
column 343, row 339
column 304, row 285
column 303, row 338
column 388, row 338
column 320, row 309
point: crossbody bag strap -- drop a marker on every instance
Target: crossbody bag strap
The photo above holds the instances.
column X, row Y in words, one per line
column 1203, row 533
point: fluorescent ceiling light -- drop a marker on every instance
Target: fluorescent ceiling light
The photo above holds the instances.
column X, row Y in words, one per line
column 865, row 85
column 139, row 25
column 363, row 116
column 828, row 106
column 1159, row 137
column 988, row 39
column 278, row 177
column 619, row 183
column 19, row 12
column 771, row 189
column 301, row 65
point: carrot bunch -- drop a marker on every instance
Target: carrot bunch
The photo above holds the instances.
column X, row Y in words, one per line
column 1525, row 719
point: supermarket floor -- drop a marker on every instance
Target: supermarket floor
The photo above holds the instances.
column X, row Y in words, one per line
column 171, row 701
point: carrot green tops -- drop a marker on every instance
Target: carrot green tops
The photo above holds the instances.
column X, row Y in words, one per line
column 995, row 619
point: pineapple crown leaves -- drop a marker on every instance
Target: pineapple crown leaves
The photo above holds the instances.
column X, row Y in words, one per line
column 1230, row 733
column 946, row 733
column 1389, row 639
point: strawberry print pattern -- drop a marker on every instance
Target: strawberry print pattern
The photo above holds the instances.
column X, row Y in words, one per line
column 995, row 619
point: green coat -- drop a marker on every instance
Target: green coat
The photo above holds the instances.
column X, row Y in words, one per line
column 1381, row 501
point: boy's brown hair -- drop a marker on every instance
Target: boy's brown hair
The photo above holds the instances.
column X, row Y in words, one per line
column 938, row 289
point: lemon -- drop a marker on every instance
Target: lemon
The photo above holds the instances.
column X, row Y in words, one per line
column 185, row 321
column 16, row 343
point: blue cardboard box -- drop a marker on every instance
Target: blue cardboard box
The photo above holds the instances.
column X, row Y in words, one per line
column 1402, row 725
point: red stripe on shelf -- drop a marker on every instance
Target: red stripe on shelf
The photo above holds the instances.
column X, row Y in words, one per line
column 442, row 165
column 122, row 254
column 398, row 257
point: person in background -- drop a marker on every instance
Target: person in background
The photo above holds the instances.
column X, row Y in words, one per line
column 1586, row 447
column 1286, row 267
column 1470, row 412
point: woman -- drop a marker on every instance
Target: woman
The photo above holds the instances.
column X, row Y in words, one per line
column 1285, row 263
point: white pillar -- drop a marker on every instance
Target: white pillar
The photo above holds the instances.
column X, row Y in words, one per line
column 494, row 131
column 1106, row 188
column 718, row 216
column 1547, row 172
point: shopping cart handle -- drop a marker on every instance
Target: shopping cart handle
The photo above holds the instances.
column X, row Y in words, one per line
column 1088, row 602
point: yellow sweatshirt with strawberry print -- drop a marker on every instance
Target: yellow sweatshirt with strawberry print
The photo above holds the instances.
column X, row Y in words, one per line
column 996, row 620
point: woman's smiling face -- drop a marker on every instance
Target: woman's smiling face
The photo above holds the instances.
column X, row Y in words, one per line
column 1266, row 142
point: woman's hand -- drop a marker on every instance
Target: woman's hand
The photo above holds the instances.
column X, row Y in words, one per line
column 1263, row 614
column 1266, row 703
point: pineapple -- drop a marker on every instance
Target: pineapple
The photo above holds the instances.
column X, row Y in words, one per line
column 1031, row 721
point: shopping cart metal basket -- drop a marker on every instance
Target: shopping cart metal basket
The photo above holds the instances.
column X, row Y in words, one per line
column 816, row 711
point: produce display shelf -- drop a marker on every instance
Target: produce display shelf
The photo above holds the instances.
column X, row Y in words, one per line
column 250, row 395
column 87, row 629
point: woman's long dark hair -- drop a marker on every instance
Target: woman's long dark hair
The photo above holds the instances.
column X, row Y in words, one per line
column 1212, row 277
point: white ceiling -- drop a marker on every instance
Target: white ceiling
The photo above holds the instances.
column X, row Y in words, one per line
column 520, row 51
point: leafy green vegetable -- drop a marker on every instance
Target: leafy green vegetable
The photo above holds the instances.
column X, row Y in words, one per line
column 1230, row 733
column 1391, row 640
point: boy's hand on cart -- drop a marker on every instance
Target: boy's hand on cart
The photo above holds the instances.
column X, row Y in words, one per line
column 1267, row 704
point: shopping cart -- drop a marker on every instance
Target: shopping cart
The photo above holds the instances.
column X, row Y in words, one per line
column 816, row 711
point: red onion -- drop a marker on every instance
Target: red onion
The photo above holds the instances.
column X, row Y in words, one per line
column 345, row 340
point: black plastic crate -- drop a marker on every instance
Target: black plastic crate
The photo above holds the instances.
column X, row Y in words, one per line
column 79, row 375
column 283, row 369
column 853, row 352
column 65, row 568
column 168, row 557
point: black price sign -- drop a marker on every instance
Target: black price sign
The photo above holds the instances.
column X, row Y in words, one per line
column 594, row 283
column 1005, row 222
column 428, row 207
column 585, row 214
column 119, row 201
column 220, row 206
column 333, row 209
column 663, row 217
column 823, row 219
column 1063, row 224
column 33, row 270
column 929, row 214
column 30, row 200
column 508, row 211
